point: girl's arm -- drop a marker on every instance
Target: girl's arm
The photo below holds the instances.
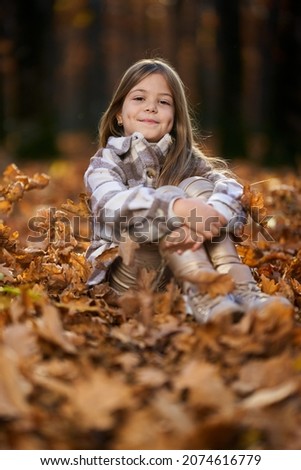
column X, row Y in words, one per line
column 204, row 220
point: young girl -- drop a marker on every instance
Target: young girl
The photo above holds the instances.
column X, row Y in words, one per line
column 149, row 182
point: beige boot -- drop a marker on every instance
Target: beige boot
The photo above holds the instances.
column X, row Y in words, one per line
column 202, row 306
column 225, row 259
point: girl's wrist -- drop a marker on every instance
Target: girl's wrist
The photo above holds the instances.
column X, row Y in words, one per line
column 179, row 207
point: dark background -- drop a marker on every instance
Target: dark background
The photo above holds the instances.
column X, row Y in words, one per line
column 240, row 61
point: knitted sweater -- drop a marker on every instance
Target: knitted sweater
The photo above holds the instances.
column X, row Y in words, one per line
column 122, row 180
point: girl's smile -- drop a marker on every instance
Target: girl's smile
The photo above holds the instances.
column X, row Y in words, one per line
column 149, row 121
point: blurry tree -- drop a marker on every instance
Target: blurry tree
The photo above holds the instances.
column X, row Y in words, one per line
column 79, row 72
column 27, row 115
column 271, row 79
column 239, row 59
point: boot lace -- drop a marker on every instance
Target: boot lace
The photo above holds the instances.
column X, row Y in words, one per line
column 249, row 293
column 204, row 307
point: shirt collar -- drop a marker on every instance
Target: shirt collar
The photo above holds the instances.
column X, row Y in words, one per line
column 121, row 145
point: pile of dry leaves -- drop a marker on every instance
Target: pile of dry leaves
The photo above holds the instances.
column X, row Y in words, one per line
column 78, row 370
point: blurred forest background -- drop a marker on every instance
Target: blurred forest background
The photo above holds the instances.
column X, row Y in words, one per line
column 240, row 61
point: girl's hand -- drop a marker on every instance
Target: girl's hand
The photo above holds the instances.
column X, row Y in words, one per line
column 199, row 217
column 182, row 239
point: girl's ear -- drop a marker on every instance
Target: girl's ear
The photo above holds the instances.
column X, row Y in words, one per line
column 119, row 119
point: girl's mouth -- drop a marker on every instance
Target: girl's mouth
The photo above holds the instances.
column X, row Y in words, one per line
column 149, row 121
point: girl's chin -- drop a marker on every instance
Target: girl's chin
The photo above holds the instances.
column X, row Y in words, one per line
column 149, row 136
column 152, row 137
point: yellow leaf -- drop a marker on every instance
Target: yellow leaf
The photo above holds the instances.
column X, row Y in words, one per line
column 253, row 203
column 211, row 282
column 269, row 286
column 82, row 208
column 5, row 206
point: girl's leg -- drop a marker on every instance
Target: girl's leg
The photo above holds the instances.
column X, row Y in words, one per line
column 122, row 276
column 193, row 265
column 190, row 264
column 225, row 259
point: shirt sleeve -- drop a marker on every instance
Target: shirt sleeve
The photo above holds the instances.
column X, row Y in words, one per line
column 226, row 195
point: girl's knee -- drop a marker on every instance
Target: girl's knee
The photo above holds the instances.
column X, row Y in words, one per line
column 197, row 186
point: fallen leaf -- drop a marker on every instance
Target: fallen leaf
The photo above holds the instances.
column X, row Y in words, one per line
column 253, row 203
column 82, row 208
column 21, row 339
column 270, row 396
column 205, row 386
column 50, row 328
column 96, row 398
column 211, row 282
column 268, row 286
column 14, row 388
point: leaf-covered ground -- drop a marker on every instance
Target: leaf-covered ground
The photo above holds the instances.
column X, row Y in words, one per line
column 84, row 370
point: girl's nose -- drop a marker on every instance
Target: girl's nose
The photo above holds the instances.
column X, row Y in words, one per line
column 151, row 106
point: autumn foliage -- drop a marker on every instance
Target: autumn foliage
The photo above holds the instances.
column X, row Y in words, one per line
column 83, row 369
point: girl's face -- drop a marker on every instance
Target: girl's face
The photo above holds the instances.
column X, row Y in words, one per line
column 148, row 108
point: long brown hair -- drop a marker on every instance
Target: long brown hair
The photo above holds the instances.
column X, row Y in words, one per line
column 180, row 162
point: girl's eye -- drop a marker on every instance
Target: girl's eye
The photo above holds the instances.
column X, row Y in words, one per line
column 138, row 98
column 165, row 102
